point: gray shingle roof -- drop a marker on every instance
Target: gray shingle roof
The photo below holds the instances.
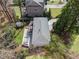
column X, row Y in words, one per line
column 40, row 35
column 29, row 2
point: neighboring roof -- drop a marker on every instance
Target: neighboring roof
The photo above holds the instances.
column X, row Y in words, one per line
column 40, row 35
column 28, row 2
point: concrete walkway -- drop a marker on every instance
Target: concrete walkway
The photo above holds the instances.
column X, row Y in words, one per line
column 55, row 6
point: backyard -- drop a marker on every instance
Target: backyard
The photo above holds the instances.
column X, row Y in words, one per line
column 56, row 47
column 57, row 42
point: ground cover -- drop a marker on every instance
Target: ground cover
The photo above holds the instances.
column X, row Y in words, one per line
column 17, row 11
column 75, row 45
column 19, row 36
column 55, row 12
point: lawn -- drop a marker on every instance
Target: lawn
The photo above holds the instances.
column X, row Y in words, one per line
column 75, row 46
column 54, row 56
column 37, row 57
column 19, row 36
column 17, row 11
column 19, row 33
column 55, row 12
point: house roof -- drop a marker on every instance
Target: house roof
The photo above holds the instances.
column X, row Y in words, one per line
column 29, row 2
column 40, row 35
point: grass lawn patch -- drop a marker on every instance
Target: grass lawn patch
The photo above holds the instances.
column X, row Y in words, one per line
column 57, row 42
column 19, row 36
column 75, row 46
column 37, row 57
column 17, row 11
column 55, row 12
column 56, row 47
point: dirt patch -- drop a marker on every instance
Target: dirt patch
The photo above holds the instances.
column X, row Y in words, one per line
column 73, row 55
column 18, row 49
column 38, row 51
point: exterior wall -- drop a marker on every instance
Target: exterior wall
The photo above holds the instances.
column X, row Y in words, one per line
column 34, row 11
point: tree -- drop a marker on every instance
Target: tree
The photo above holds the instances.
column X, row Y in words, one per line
column 68, row 18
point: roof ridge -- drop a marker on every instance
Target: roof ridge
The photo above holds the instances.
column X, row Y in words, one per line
column 38, row 3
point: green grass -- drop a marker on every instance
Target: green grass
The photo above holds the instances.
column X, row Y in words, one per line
column 19, row 36
column 57, row 42
column 17, row 11
column 36, row 57
column 55, row 12
column 56, row 47
column 75, row 46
